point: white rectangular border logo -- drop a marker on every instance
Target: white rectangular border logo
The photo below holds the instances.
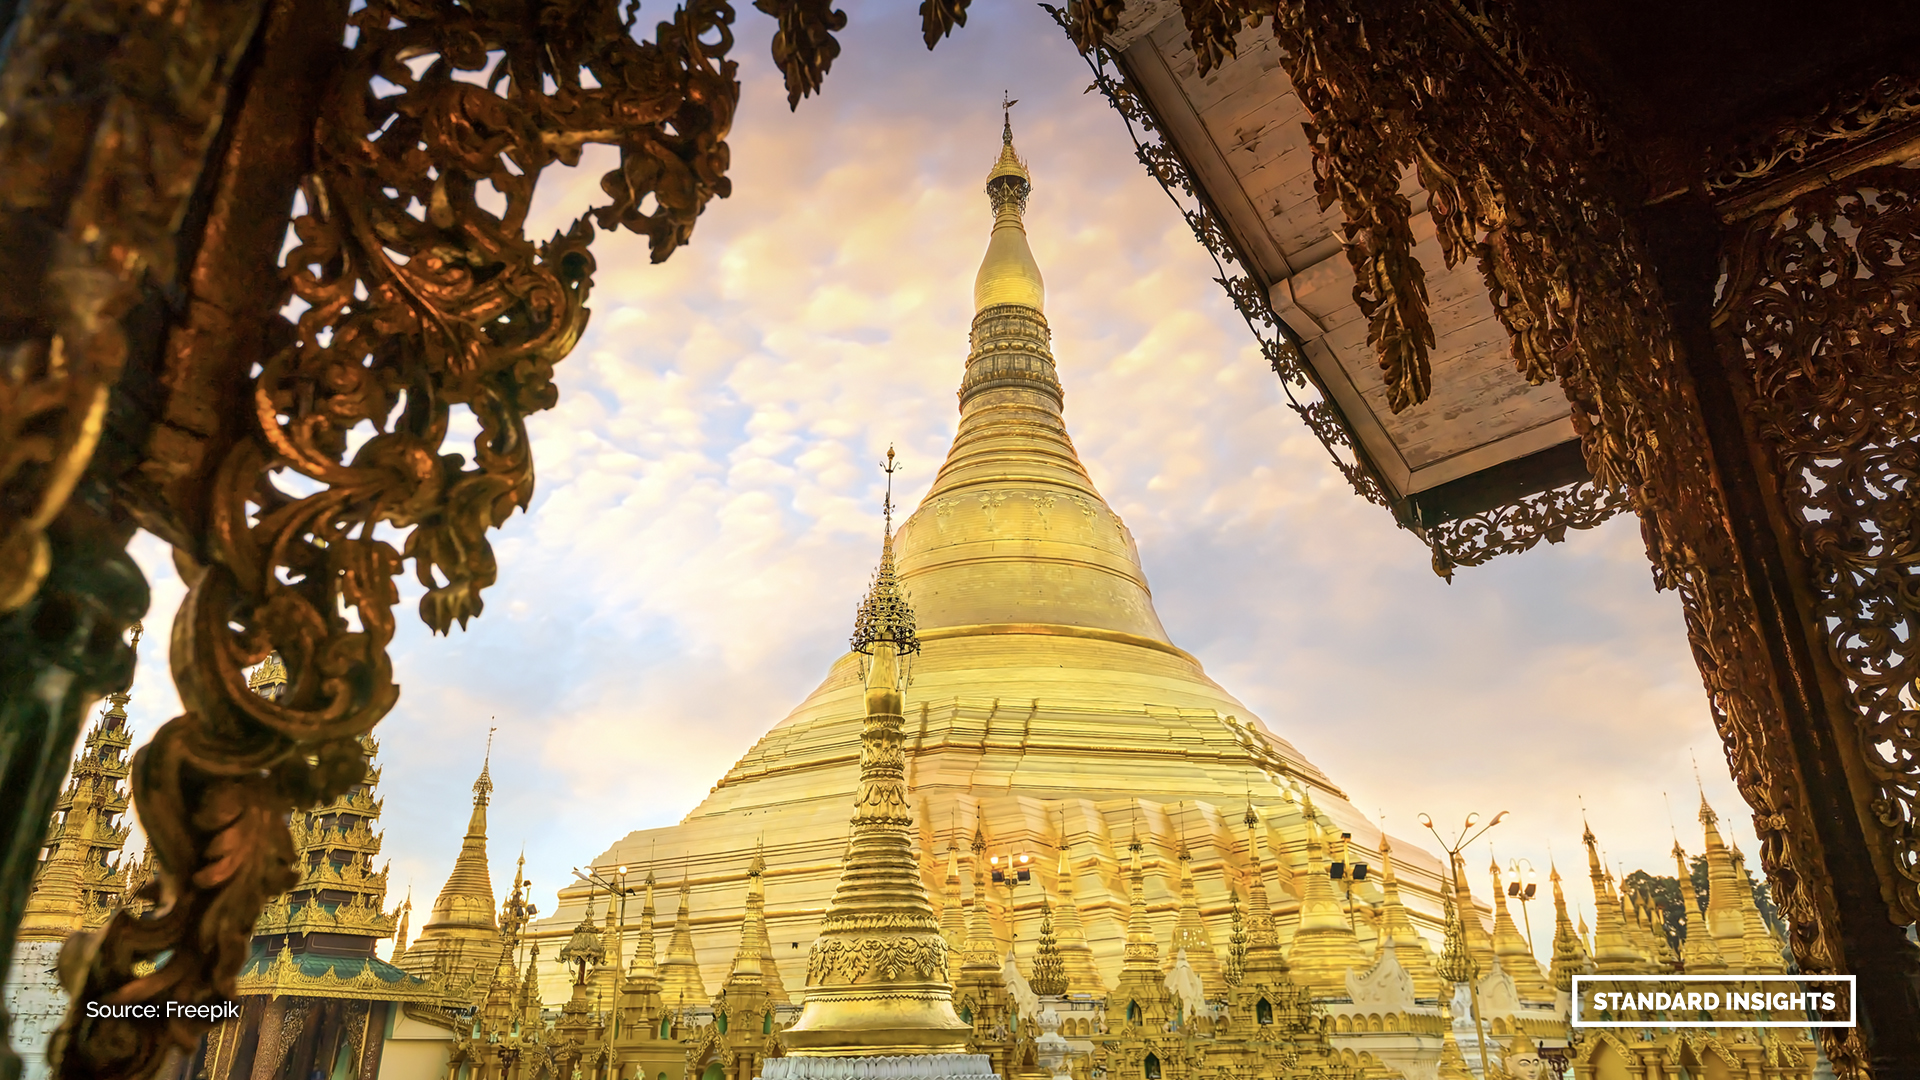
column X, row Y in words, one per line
column 1853, row 1001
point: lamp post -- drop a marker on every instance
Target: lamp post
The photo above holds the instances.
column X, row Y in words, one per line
column 1456, row 963
column 1522, row 888
column 1347, row 872
column 616, row 886
column 1013, row 871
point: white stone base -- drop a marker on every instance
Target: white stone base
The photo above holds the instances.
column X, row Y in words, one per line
column 36, row 1001
column 890, row 1067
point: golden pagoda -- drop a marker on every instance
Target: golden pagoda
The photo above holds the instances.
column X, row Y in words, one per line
column 460, row 941
column 78, row 881
column 680, row 983
column 1613, row 951
column 1412, row 950
column 877, row 975
column 1190, row 937
column 1039, row 640
column 1515, row 952
column 1075, row 956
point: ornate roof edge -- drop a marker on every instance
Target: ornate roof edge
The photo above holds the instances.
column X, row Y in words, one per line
column 1512, row 525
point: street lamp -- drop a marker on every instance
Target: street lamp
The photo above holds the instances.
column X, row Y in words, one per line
column 1522, row 888
column 1456, row 962
column 616, row 886
column 1346, row 872
column 1015, row 872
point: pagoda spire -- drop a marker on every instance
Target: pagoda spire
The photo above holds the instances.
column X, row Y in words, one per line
column 1075, row 955
column 982, row 951
column 1515, row 952
column 1325, row 947
column 1479, row 944
column 1264, row 961
column 680, row 982
column 1699, row 954
column 78, row 882
column 1398, row 932
column 401, row 917
column 1190, row 930
column 1763, row 949
column 1613, row 952
column 1008, row 273
column 880, row 906
column 1142, row 948
column 953, row 916
column 645, row 959
column 461, row 937
column 754, row 926
column 1569, row 952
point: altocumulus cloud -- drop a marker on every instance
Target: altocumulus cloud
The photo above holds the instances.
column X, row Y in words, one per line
column 707, row 509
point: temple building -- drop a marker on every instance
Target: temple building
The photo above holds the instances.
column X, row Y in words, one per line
column 314, row 999
column 79, row 880
column 1039, row 640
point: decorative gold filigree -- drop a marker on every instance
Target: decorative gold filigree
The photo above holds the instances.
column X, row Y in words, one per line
column 804, row 46
column 1845, row 122
column 96, row 171
column 1819, row 304
column 1521, row 525
column 852, row 961
column 418, row 299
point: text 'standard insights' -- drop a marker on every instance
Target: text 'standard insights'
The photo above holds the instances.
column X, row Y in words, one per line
column 1803, row 1001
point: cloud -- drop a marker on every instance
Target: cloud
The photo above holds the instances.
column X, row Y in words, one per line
column 707, row 507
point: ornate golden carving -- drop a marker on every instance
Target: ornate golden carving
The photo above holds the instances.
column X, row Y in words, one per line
column 418, row 299
column 853, row 961
column 1848, row 121
column 1818, row 305
column 1519, row 526
column 96, row 171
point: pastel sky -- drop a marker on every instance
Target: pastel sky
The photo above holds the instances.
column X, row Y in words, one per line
column 708, row 502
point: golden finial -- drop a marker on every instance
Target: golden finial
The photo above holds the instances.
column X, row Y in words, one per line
column 886, row 508
column 884, row 614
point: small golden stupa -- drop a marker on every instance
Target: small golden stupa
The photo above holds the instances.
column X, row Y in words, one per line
column 877, row 976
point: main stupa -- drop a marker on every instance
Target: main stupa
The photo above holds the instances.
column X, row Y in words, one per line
column 1048, row 714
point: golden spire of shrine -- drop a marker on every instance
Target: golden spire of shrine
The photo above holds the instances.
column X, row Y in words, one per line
column 400, row 929
column 982, row 949
column 1190, row 929
column 1613, row 951
column 1763, row 948
column 855, row 1006
column 1008, row 274
column 1397, row 930
column 1324, row 945
column 1569, row 952
column 680, row 982
column 1514, row 951
column 1082, row 976
column 754, row 927
column 1699, row 955
column 464, row 909
column 953, row 916
column 1142, row 948
column 1264, row 961
column 1479, row 943
column 645, row 959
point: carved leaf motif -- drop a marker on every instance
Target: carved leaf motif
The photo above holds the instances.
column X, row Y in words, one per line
column 804, row 47
column 939, row 17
